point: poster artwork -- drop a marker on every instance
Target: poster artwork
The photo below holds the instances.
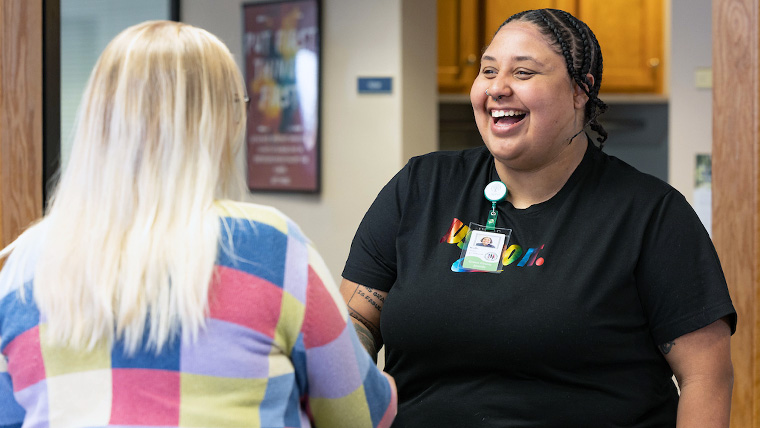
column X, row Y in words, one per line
column 281, row 44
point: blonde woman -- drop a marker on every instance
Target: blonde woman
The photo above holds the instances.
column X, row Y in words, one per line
column 146, row 297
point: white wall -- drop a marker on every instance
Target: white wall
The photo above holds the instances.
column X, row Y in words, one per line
column 690, row 130
column 419, row 50
column 365, row 139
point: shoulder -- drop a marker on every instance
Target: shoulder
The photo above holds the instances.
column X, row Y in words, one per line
column 424, row 175
column 245, row 218
column 443, row 167
column 249, row 211
column 456, row 158
column 274, row 232
column 618, row 190
column 262, row 241
column 615, row 175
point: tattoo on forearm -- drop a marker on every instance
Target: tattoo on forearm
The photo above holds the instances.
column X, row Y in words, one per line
column 667, row 346
column 366, row 339
column 363, row 326
column 368, row 332
column 371, row 296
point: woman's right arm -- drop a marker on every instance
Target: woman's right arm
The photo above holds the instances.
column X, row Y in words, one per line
column 364, row 306
column 340, row 384
column 11, row 414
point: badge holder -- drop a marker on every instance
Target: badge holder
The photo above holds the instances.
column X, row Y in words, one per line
column 485, row 244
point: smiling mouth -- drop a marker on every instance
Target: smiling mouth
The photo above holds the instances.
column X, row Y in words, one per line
column 507, row 117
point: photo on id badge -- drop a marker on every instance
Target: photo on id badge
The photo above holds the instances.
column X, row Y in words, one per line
column 483, row 251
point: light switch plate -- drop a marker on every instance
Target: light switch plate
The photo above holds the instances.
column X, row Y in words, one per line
column 703, row 78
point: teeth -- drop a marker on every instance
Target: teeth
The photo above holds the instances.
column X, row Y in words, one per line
column 502, row 113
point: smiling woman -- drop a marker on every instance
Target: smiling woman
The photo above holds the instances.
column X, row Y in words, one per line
column 572, row 331
column 531, row 102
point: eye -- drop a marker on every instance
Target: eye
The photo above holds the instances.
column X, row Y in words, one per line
column 488, row 71
column 524, row 74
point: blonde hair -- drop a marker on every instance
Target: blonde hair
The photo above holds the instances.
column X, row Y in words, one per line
column 132, row 232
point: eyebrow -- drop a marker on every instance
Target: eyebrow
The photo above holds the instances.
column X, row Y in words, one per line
column 519, row 58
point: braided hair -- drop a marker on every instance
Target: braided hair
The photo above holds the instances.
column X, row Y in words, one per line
column 575, row 41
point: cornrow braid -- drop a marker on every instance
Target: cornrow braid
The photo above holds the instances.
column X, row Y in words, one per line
column 561, row 40
column 577, row 44
column 595, row 107
column 580, row 76
column 598, row 106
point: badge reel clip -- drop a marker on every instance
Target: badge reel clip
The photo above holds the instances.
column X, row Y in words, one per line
column 485, row 244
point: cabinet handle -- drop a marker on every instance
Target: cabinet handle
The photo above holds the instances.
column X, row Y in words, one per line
column 472, row 59
column 654, row 62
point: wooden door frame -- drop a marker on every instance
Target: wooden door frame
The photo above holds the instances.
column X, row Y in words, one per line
column 736, row 188
column 21, row 29
column 51, row 95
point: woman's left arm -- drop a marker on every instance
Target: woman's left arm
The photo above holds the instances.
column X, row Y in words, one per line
column 701, row 362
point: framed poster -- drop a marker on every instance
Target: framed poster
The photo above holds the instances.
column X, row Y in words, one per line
column 281, row 44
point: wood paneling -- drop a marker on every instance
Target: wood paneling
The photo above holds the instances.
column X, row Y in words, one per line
column 630, row 33
column 20, row 116
column 736, row 188
column 459, row 44
column 497, row 11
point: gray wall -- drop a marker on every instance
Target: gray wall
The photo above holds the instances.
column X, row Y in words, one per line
column 690, row 128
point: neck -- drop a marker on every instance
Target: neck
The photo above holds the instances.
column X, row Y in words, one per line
column 532, row 186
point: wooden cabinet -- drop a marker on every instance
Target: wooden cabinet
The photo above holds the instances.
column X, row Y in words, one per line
column 497, row 11
column 631, row 35
column 629, row 31
column 460, row 44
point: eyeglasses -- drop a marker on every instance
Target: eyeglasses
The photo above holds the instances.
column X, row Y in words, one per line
column 246, row 100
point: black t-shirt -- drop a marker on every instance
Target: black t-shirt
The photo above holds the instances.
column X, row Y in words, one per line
column 566, row 335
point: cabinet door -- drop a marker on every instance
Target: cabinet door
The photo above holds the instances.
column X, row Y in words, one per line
column 497, row 11
column 459, row 44
column 630, row 34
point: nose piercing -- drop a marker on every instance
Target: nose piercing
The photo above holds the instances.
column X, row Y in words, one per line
column 494, row 98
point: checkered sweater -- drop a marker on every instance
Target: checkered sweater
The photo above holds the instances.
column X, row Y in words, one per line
column 277, row 350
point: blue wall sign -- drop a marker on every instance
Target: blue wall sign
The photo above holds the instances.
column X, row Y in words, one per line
column 374, row 85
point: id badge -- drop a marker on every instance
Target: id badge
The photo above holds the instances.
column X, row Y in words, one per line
column 483, row 248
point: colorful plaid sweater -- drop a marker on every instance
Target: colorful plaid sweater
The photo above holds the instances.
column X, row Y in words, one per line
column 277, row 350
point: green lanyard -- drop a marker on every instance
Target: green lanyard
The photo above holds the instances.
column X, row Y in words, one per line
column 495, row 191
